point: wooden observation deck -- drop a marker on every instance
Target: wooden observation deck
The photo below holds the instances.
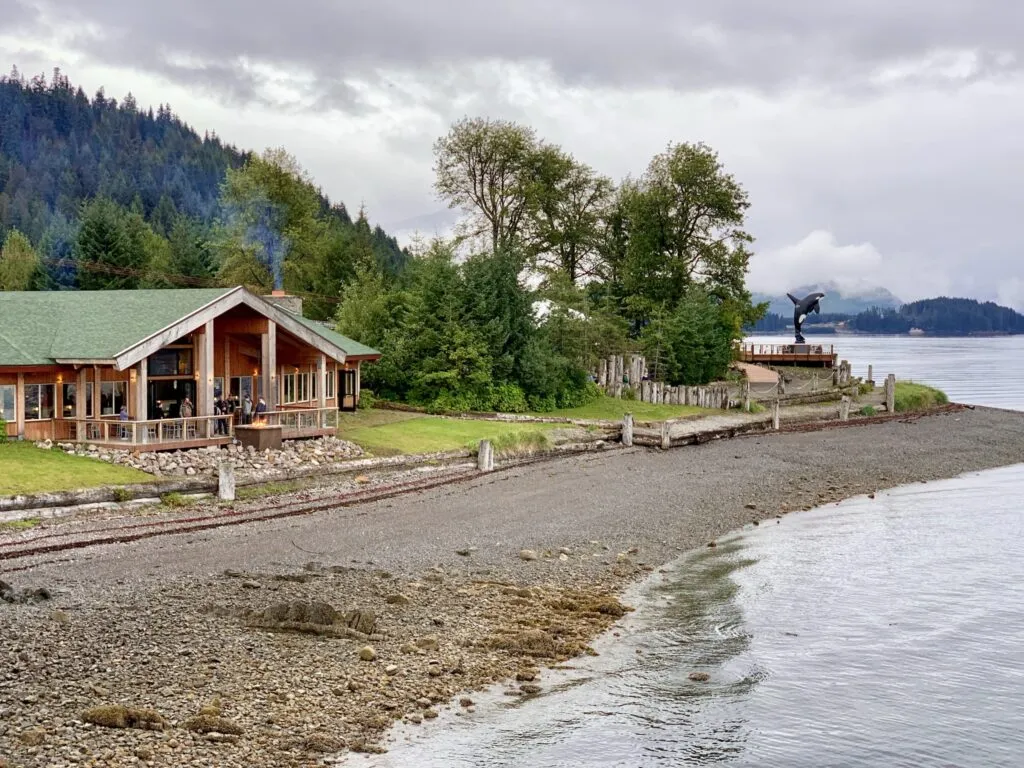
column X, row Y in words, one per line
column 805, row 355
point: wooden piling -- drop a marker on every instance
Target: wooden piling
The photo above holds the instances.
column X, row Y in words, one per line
column 666, row 436
column 775, row 414
column 844, row 408
column 226, row 481
column 890, row 393
column 627, row 430
column 485, row 456
column 746, row 395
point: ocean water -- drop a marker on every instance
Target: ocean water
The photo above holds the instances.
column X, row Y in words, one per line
column 876, row 632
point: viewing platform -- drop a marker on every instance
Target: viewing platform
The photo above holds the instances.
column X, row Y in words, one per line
column 805, row 355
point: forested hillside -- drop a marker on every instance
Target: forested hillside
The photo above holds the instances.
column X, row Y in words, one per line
column 110, row 194
column 942, row 317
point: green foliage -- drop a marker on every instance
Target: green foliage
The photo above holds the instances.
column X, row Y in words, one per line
column 162, row 186
column 911, row 396
column 175, row 500
column 20, row 268
column 691, row 344
column 366, row 399
column 122, row 495
column 868, row 410
column 458, row 337
column 628, row 393
column 3, row 430
column 865, row 388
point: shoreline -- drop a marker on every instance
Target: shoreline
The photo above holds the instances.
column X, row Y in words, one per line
column 157, row 624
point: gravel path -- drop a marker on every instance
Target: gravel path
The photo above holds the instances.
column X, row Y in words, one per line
column 159, row 623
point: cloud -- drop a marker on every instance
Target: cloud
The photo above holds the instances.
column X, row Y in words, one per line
column 888, row 131
column 1011, row 293
column 687, row 46
column 817, row 258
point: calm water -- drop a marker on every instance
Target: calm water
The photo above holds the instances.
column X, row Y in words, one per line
column 983, row 371
column 885, row 632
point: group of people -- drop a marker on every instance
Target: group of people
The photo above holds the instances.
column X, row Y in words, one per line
column 243, row 410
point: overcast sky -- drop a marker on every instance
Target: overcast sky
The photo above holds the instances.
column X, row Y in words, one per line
column 882, row 142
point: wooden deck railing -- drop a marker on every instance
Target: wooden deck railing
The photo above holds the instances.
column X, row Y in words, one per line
column 787, row 349
column 153, row 432
column 299, row 419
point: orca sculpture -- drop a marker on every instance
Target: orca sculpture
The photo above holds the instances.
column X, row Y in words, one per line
column 802, row 308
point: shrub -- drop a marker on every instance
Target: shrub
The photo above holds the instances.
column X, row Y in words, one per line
column 122, row 494
column 868, row 410
column 911, row 396
column 366, row 399
column 508, row 398
column 3, row 430
column 584, row 393
column 628, row 393
column 865, row 388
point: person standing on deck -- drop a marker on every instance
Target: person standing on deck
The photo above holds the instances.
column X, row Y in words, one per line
column 261, row 408
column 247, row 410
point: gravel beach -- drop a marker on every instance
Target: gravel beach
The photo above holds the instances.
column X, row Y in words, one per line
column 279, row 643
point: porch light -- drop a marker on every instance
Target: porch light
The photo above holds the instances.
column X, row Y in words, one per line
column 60, row 378
column 133, row 375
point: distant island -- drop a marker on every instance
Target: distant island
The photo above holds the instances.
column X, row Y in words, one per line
column 942, row 316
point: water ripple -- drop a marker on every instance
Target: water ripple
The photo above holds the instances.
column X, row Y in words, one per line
column 866, row 634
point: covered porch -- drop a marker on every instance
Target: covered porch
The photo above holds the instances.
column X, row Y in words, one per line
column 237, row 362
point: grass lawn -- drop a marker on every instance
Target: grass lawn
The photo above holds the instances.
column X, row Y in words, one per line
column 613, row 409
column 27, row 469
column 911, row 396
column 389, row 433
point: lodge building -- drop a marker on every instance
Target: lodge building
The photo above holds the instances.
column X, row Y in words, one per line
column 115, row 367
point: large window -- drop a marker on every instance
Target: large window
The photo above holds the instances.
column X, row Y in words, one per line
column 171, row 362
column 8, row 393
column 329, row 389
column 113, row 394
column 242, row 386
column 296, row 388
column 218, row 388
column 71, row 400
column 38, row 401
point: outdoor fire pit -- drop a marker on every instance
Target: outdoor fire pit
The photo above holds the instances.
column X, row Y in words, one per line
column 259, row 436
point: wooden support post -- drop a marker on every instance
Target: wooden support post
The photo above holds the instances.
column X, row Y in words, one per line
column 321, row 381
column 871, row 376
column 814, row 382
column 775, row 414
column 205, row 372
column 746, row 395
column 835, row 376
column 890, row 393
column 226, row 481
column 268, row 365
column 782, row 384
column 627, row 430
column 19, row 407
column 485, row 456
column 666, row 436
column 602, row 372
column 142, row 390
column 80, row 399
column 96, row 383
column 844, row 409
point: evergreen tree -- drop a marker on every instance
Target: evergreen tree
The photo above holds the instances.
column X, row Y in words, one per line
column 20, row 268
column 107, row 253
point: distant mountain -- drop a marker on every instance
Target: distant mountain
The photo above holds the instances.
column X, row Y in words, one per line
column 836, row 301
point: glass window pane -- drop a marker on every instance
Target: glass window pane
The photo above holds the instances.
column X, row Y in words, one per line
column 88, row 400
column 47, row 400
column 68, row 395
column 8, row 392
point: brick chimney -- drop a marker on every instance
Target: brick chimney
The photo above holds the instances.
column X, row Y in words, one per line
column 285, row 301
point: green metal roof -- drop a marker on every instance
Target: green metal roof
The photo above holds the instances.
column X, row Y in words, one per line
column 38, row 327
column 352, row 347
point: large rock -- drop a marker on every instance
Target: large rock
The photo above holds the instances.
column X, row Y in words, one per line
column 316, row 618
